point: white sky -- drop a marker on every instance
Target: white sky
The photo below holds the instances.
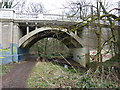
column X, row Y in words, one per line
column 53, row 6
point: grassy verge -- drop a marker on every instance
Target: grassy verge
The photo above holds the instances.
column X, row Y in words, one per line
column 49, row 75
column 4, row 69
column 114, row 61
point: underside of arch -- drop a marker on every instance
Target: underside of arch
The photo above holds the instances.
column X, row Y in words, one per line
column 64, row 37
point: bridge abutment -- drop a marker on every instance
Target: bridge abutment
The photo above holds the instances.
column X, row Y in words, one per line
column 9, row 37
column 5, row 41
column 80, row 55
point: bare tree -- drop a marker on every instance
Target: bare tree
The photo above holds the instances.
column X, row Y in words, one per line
column 6, row 3
column 22, row 6
column 79, row 9
column 35, row 8
column 94, row 17
column 19, row 5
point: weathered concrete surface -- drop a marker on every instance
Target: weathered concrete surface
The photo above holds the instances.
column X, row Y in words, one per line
column 50, row 32
column 9, row 37
column 5, row 42
column 79, row 55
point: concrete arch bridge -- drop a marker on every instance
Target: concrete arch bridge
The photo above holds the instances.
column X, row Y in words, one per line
column 18, row 32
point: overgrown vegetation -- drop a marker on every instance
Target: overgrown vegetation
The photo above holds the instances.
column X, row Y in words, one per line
column 5, row 68
column 49, row 75
column 49, row 48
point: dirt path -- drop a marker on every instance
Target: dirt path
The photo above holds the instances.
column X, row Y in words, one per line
column 17, row 76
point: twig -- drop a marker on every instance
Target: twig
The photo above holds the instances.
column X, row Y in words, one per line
column 46, row 80
column 68, row 62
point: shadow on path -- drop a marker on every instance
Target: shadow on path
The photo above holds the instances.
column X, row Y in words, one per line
column 18, row 75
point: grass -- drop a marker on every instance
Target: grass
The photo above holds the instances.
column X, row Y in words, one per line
column 46, row 74
column 4, row 69
column 51, row 56
column 114, row 61
column 49, row 75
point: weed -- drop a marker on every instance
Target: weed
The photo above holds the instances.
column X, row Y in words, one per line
column 48, row 75
column 5, row 69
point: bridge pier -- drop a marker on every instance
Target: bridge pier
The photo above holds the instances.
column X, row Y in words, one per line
column 13, row 54
column 9, row 54
column 0, row 54
column 9, row 37
column 6, row 39
column 0, row 42
column 80, row 55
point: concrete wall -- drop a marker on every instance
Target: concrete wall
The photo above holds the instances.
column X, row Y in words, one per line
column 9, row 37
column 0, row 42
column 6, row 28
column 79, row 55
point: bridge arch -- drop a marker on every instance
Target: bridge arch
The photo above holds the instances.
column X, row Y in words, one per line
column 69, row 39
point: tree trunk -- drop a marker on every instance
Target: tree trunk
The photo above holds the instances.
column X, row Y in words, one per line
column 118, row 42
column 46, row 40
column 119, row 30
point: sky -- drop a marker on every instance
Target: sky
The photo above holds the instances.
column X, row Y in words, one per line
column 55, row 6
column 51, row 6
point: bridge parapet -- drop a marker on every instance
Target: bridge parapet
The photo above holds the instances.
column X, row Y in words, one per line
column 45, row 17
column 11, row 14
column 6, row 13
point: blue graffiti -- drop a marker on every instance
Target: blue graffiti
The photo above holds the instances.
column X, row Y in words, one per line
column 12, row 54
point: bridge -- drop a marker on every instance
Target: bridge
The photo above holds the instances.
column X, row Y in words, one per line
column 18, row 32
